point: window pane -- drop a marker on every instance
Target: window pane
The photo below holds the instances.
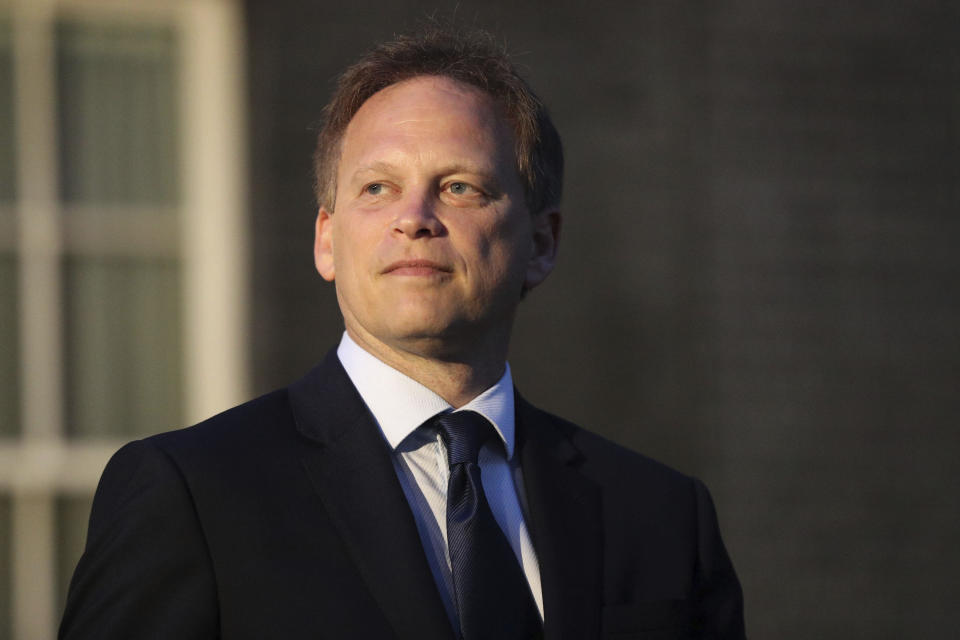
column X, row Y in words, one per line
column 5, row 569
column 72, row 517
column 7, row 170
column 118, row 125
column 123, row 345
column 9, row 352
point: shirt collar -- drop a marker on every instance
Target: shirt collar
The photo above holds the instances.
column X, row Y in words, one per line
column 400, row 404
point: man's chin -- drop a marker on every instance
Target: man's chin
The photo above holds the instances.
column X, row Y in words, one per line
column 435, row 340
column 419, row 322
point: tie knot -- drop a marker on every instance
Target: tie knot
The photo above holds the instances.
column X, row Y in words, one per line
column 463, row 433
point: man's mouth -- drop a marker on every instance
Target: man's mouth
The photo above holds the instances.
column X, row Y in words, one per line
column 416, row 268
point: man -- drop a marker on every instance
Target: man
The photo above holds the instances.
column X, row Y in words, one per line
column 402, row 489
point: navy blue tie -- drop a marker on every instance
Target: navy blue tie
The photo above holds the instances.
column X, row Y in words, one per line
column 490, row 590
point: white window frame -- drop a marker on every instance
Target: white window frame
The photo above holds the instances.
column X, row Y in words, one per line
column 42, row 463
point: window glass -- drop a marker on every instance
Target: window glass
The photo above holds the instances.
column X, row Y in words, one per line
column 7, row 160
column 9, row 339
column 5, row 569
column 9, row 351
column 123, row 346
column 72, row 516
column 118, row 125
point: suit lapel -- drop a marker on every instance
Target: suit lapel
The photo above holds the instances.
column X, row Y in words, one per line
column 565, row 524
column 353, row 473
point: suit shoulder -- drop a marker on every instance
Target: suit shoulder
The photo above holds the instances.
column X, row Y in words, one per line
column 266, row 409
column 243, row 428
column 608, row 460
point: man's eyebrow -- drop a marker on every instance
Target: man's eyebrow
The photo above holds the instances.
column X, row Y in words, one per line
column 380, row 166
column 457, row 167
column 374, row 167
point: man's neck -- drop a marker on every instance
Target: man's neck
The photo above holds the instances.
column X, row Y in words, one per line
column 458, row 377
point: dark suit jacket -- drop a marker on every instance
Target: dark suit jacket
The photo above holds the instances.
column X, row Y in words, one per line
column 284, row 518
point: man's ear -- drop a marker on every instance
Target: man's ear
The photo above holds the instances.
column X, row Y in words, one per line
column 323, row 245
column 546, row 241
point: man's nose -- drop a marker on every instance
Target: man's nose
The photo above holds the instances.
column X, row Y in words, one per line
column 417, row 217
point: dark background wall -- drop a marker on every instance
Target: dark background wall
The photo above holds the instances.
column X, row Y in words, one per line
column 759, row 266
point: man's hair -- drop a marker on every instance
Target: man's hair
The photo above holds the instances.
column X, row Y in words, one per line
column 471, row 57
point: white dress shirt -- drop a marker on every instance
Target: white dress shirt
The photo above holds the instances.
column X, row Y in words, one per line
column 400, row 405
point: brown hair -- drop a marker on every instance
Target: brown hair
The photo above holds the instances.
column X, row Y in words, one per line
column 471, row 57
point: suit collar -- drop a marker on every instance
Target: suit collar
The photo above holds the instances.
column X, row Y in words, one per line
column 353, row 473
column 565, row 523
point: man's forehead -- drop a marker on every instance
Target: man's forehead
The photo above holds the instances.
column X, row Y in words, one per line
column 431, row 114
column 439, row 87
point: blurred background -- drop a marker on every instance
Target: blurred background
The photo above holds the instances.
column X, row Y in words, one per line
column 758, row 280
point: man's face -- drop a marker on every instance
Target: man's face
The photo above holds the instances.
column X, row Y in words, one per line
column 431, row 242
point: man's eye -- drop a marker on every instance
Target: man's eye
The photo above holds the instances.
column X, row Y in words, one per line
column 462, row 189
column 374, row 189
